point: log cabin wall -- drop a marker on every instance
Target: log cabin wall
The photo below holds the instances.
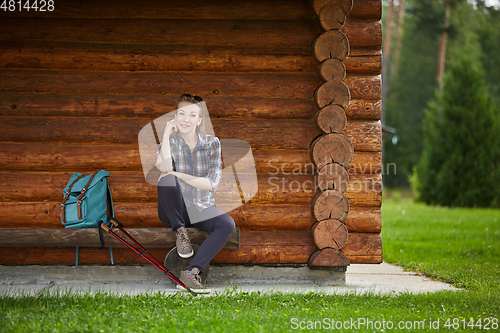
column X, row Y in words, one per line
column 77, row 84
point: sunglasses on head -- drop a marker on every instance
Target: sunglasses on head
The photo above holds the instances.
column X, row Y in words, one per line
column 196, row 98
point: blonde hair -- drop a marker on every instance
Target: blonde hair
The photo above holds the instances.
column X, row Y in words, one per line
column 200, row 129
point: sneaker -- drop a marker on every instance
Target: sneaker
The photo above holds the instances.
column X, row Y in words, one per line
column 184, row 248
column 192, row 280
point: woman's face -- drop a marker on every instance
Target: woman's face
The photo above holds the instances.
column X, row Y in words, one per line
column 187, row 117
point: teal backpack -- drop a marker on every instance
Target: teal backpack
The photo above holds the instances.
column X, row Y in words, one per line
column 87, row 201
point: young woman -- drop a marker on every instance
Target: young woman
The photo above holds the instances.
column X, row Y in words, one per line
column 191, row 168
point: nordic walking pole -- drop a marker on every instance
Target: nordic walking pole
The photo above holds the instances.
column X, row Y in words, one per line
column 159, row 265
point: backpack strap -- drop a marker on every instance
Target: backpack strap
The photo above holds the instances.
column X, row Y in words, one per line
column 66, row 197
column 82, row 193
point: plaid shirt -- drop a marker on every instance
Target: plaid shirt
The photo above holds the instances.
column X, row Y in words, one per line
column 205, row 161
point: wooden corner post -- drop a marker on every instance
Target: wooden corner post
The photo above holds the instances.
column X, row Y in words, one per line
column 331, row 152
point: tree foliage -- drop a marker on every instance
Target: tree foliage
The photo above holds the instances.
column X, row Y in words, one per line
column 460, row 161
column 488, row 32
column 474, row 30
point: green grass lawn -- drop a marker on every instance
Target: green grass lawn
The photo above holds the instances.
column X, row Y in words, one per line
column 457, row 245
column 460, row 246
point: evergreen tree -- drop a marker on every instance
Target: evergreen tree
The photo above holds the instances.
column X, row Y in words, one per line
column 488, row 30
column 459, row 166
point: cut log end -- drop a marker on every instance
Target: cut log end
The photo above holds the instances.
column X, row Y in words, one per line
column 331, row 93
column 333, row 176
column 332, row 148
column 332, row 70
column 331, row 44
column 330, row 119
column 326, row 258
column 329, row 233
column 330, row 204
column 317, row 5
column 332, row 16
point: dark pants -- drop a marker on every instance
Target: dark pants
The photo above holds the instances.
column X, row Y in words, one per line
column 173, row 213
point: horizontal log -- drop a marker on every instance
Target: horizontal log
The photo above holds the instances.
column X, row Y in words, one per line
column 269, row 85
column 250, row 255
column 40, row 55
column 365, row 163
column 18, row 156
column 270, row 254
column 364, row 135
column 275, row 248
column 361, row 52
column 125, row 130
column 363, row 33
column 364, row 109
column 292, row 134
column 362, row 244
column 246, row 10
column 364, row 219
column 366, row 9
column 52, row 156
column 145, row 215
column 364, row 87
column 369, row 64
column 375, row 259
column 147, row 237
column 357, row 243
column 66, row 256
column 150, row 83
column 206, row 32
column 363, row 190
column 152, row 107
column 174, row 9
column 56, row 55
column 203, row 32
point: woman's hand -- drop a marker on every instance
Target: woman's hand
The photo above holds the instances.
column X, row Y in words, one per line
column 170, row 128
column 163, row 174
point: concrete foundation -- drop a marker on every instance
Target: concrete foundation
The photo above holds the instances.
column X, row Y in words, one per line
column 241, row 274
column 140, row 274
column 132, row 280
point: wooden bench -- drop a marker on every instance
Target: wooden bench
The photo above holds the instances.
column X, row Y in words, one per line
column 147, row 237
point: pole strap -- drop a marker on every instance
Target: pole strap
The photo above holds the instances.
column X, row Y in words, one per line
column 111, row 254
column 76, row 261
